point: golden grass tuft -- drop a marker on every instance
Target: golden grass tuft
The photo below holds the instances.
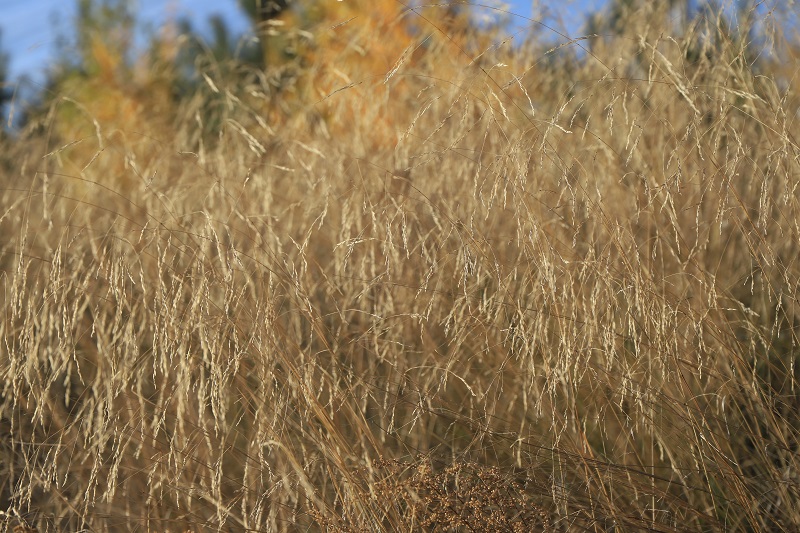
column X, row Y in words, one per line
column 556, row 302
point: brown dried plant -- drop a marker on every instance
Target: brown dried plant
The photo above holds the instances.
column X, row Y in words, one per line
column 557, row 293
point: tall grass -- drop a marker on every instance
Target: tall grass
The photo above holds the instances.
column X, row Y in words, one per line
column 542, row 290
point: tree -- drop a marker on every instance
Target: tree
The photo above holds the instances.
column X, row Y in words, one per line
column 264, row 15
column 103, row 32
column 109, row 104
column 5, row 92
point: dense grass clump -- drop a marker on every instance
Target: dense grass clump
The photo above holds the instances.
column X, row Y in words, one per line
column 487, row 287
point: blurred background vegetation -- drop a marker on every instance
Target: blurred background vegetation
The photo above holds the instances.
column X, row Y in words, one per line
column 307, row 50
column 293, row 41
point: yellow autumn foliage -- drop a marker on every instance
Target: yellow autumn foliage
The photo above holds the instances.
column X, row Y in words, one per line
column 352, row 54
column 112, row 118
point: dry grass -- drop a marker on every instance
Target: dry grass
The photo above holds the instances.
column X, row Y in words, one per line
column 566, row 302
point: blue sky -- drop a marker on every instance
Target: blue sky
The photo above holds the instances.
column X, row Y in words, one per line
column 30, row 28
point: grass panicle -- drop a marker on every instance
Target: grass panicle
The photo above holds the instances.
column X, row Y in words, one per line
column 516, row 288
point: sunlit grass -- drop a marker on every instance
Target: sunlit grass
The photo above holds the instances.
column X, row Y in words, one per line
column 540, row 291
